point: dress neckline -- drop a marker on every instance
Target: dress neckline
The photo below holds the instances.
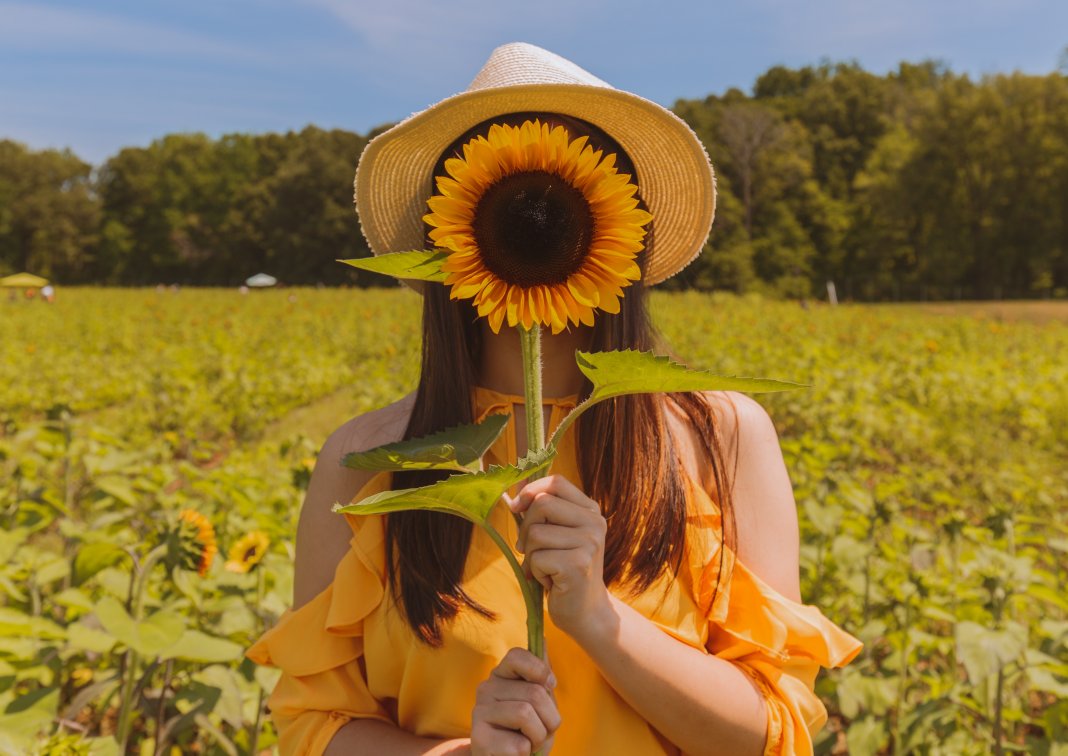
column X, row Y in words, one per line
column 492, row 396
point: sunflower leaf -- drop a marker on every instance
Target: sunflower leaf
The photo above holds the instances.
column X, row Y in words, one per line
column 458, row 448
column 469, row 495
column 416, row 265
column 631, row 372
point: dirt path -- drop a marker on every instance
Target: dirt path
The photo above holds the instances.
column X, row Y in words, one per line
column 1039, row 311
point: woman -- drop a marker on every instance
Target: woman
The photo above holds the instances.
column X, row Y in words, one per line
column 666, row 534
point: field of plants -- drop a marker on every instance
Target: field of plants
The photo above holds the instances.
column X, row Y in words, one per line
column 154, row 448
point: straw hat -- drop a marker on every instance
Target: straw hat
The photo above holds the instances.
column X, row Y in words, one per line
column 675, row 178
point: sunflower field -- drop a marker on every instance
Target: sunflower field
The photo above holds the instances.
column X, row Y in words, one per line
column 155, row 446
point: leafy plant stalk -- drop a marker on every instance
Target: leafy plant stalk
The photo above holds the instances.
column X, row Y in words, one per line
column 161, row 705
column 535, row 639
column 122, row 729
column 255, row 738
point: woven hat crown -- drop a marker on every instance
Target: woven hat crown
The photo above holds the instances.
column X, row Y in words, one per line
column 518, row 63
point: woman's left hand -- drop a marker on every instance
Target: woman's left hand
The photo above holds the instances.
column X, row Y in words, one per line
column 562, row 535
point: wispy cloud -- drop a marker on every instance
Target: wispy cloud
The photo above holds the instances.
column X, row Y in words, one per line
column 38, row 28
column 429, row 48
column 431, row 27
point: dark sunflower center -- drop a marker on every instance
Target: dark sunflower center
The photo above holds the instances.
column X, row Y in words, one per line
column 249, row 553
column 533, row 228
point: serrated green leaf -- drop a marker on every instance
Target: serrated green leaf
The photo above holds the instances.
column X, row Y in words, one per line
column 25, row 718
column 102, row 746
column 18, row 648
column 72, row 598
column 983, row 650
column 866, row 737
column 416, row 265
column 10, row 540
column 56, row 569
column 471, row 495
column 228, row 703
column 1044, row 680
column 148, row 637
column 458, row 449
column 85, row 638
column 118, row 488
column 99, row 692
column 1053, row 596
column 633, row 372
column 266, row 677
column 200, row 647
column 628, row 371
column 93, row 557
column 14, row 623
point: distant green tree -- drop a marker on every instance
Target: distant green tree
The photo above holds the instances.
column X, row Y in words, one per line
column 48, row 213
column 308, row 221
column 201, row 211
column 918, row 184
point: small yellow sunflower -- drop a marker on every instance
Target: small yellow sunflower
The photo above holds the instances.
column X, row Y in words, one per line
column 198, row 533
column 247, row 552
column 540, row 228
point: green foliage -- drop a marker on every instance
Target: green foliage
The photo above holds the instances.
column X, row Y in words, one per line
column 471, row 496
column 629, row 372
column 417, row 265
column 459, row 449
column 148, row 637
column 918, row 185
column 927, row 460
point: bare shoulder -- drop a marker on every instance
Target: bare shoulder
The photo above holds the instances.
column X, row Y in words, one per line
column 763, row 502
column 742, row 419
column 735, row 416
column 321, row 543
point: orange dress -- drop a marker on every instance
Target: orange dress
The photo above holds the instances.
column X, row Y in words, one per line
column 349, row 653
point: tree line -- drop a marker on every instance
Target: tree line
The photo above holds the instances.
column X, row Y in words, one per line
column 919, row 184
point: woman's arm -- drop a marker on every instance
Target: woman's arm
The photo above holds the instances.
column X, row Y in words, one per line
column 370, row 737
column 700, row 702
column 514, row 708
column 322, row 535
column 515, row 712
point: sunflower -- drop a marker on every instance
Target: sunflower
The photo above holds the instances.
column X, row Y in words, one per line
column 540, row 228
column 247, row 552
column 197, row 538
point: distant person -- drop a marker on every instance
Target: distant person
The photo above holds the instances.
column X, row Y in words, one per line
column 48, row 293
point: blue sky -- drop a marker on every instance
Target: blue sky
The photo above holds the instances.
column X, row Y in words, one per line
column 99, row 76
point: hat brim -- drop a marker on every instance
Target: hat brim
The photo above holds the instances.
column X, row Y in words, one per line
column 394, row 176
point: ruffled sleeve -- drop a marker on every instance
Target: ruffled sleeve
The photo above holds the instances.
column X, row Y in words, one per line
column 319, row 648
column 778, row 643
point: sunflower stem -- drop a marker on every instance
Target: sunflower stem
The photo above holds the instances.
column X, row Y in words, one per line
column 524, row 585
column 530, row 343
column 530, row 340
column 126, row 704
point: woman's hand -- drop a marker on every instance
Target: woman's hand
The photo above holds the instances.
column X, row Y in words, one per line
column 515, row 711
column 562, row 536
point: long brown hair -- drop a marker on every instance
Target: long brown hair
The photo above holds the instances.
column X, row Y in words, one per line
column 646, row 509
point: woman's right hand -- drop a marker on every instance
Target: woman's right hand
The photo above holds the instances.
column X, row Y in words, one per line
column 515, row 711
